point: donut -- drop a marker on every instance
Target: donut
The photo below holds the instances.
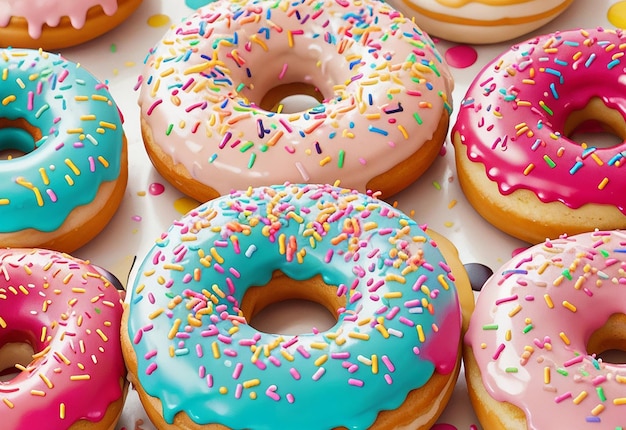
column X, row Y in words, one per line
column 532, row 351
column 198, row 364
column 59, row 327
column 481, row 21
column 382, row 115
column 66, row 172
column 517, row 162
column 55, row 24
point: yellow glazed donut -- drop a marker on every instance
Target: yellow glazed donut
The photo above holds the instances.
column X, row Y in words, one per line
column 390, row 361
column 59, row 327
column 69, row 181
column 516, row 162
column 481, row 21
column 386, row 97
column 54, row 24
column 531, row 351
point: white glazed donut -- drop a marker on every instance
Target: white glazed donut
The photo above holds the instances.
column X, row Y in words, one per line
column 481, row 21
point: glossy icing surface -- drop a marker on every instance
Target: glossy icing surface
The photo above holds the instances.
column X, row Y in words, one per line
column 513, row 117
column 197, row 354
column 79, row 146
column 42, row 12
column 385, row 88
column 497, row 12
column 531, row 325
column 70, row 314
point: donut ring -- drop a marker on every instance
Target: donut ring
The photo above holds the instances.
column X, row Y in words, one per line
column 516, row 164
column 55, row 24
column 398, row 329
column 384, row 118
column 481, row 21
column 59, row 320
column 72, row 178
column 530, row 355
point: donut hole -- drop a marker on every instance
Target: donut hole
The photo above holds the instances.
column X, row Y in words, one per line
column 596, row 125
column 292, row 307
column 14, row 354
column 17, row 138
column 609, row 341
column 291, row 98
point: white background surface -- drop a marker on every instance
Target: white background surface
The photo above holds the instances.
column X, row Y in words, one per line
column 435, row 199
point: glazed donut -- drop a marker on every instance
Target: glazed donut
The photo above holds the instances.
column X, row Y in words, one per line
column 517, row 164
column 481, row 21
column 383, row 118
column 391, row 359
column 55, row 24
column 60, row 322
column 531, row 354
column 72, row 174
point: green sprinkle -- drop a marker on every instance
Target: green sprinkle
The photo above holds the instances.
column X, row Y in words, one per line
column 169, row 129
column 528, row 328
column 490, row 327
column 342, row 157
column 419, row 120
column 549, row 161
column 567, row 274
column 240, row 87
column 511, row 370
column 601, row 394
column 437, row 185
column 252, row 160
column 113, row 47
column 562, row 371
column 249, row 144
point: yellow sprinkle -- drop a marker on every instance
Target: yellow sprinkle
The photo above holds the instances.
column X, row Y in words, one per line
column 569, row 306
column 546, row 375
column 580, row 397
column 80, row 377
column 62, row 411
column 103, row 161
column 46, row 381
column 8, row 403
column 597, row 410
column 3, row 323
column 360, row 336
column 321, row 360
column 37, row 393
column 251, row 383
column 155, row 314
column 548, row 300
column 420, row 333
column 564, row 338
column 603, row 184
column 619, row 401
column 515, row 311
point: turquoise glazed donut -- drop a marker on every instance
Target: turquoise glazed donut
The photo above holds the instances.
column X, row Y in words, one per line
column 69, row 130
column 189, row 345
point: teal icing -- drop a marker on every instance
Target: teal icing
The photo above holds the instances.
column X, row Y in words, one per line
column 80, row 145
column 196, row 353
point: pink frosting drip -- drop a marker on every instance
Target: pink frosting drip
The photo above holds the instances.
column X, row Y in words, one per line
column 513, row 116
column 40, row 12
column 71, row 317
column 532, row 322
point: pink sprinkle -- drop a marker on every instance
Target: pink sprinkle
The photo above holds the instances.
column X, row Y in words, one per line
column 52, row 195
column 506, row 299
column 290, row 398
column 318, row 374
column 199, row 351
column 496, row 354
column 150, row 354
column 138, row 337
column 154, row 105
column 598, row 380
column 573, row 361
column 295, row 374
column 237, row 371
column 283, row 71
column 271, row 392
column 562, row 397
column 151, row 368
column 388, row 363
column 238, row 391
column 156, row 189
column 209, row 380
column 356, row 382
column 303, row 352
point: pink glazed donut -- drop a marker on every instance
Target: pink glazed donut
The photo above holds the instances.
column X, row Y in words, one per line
column 60, row 322
column 380, row 124
column 531, row 349
column 517, row 164
column 54, row 24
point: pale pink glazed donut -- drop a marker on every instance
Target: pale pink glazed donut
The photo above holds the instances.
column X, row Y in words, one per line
column 531, row 351
column 59, row 326
column 516, row 162
column 53, row 24
column 481, row 21
column 383, row 118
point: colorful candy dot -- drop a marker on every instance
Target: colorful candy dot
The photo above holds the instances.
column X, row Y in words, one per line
column 156, row 188
column 617, row 14
column 184, row 205
column 158, row 20
column 461, row 56
column 195, row 4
